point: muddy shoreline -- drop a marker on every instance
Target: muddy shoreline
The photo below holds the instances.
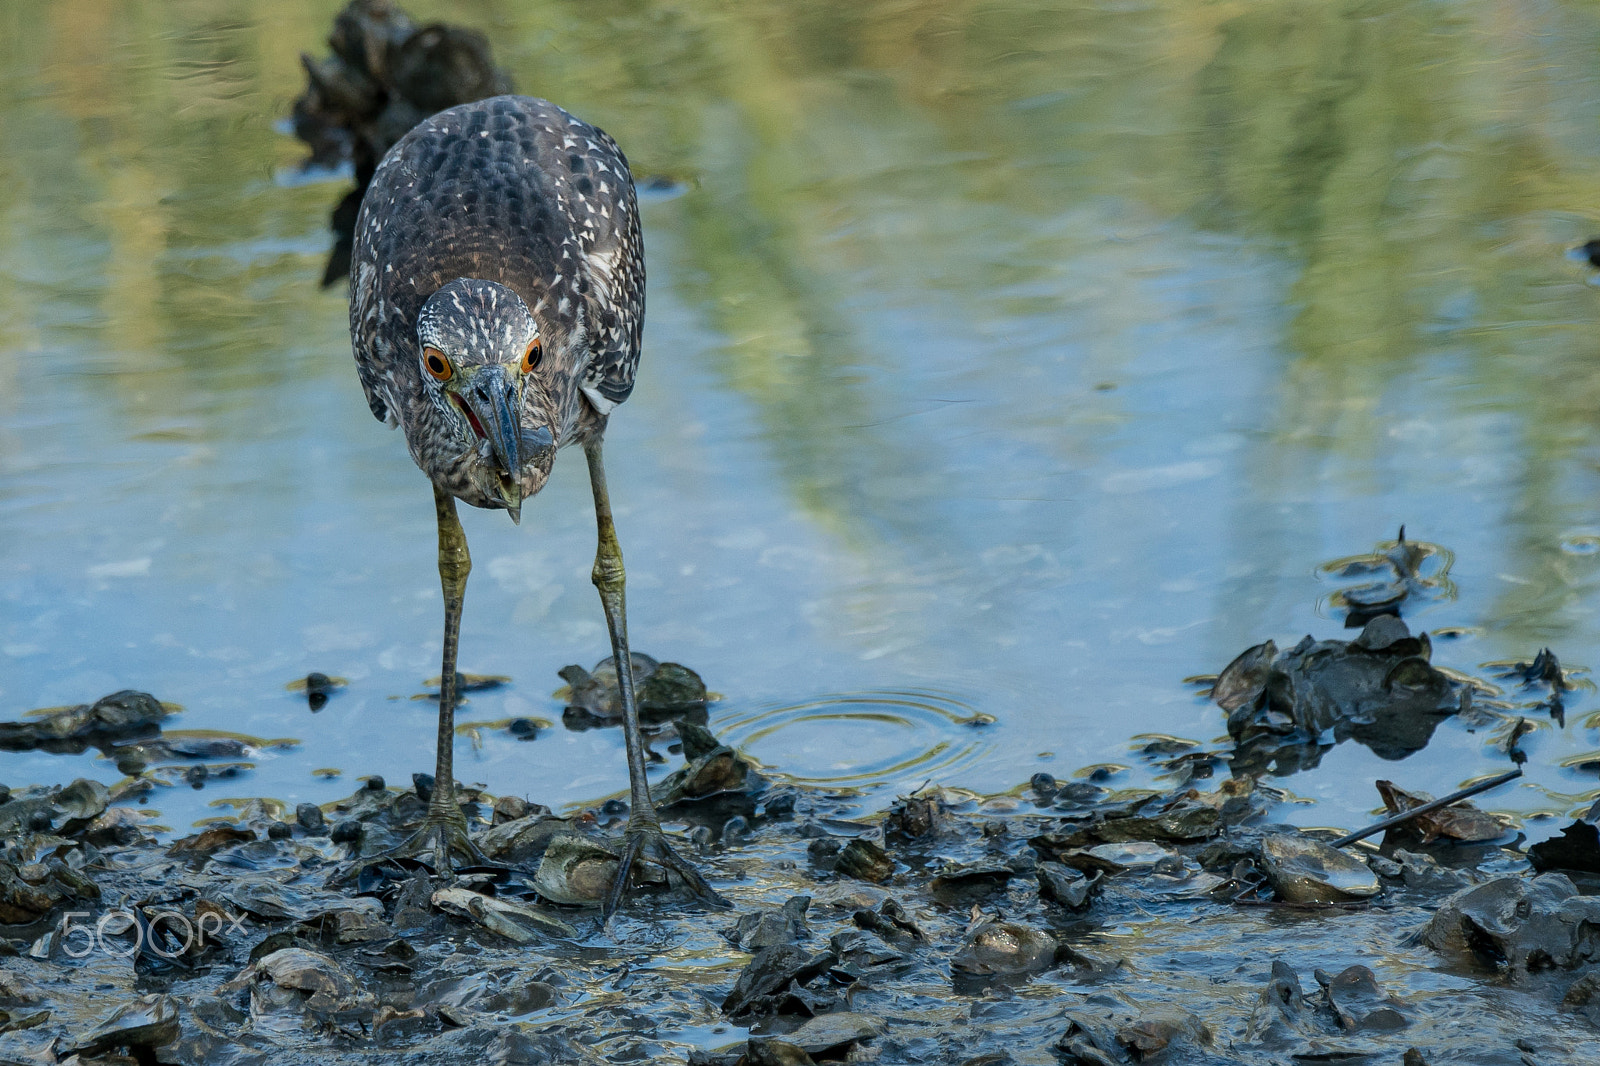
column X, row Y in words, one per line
column 1063, row 922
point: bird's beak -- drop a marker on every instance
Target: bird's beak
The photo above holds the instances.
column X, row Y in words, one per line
column 494, row 398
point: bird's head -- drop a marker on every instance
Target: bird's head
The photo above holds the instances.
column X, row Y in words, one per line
column 479, row 346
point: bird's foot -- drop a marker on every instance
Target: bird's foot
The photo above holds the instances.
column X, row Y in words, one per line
column 644, row 839
column 442, row 833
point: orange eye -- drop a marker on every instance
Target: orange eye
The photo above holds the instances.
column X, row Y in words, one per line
column 531, row 357
column 437, row 364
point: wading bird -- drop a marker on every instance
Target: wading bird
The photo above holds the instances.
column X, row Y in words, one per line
column 496, row 306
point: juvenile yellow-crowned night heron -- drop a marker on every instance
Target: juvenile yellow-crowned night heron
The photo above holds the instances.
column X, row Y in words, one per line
column 497, row 300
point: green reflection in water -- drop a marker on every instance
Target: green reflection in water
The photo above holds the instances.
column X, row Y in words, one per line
column 920, row 234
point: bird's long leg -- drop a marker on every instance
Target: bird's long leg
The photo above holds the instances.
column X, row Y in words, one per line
column 643, row 836
column 444, row 827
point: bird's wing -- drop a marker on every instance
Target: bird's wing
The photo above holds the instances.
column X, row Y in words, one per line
column 615, row 256
column 596, row 187
column 365, row 326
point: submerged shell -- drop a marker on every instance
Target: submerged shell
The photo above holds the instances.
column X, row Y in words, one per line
column 83, row 798
column 1132, row 855
column 148, row 1022
column 575, row 871
column 835, row 1029
column 1005, row 947
column 504, row 917
column 1303, row 870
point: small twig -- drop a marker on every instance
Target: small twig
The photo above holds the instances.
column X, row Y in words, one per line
column 1432, row 805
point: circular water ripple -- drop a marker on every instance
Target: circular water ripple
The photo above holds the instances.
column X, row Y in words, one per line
column 862, row 739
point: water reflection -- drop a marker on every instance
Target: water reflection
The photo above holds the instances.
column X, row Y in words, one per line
column 1035, row 352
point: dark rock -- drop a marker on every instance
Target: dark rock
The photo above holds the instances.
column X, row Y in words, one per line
column 774, row 1051
column 1424, row 873
column 663, row 690
column 780, row 805
column 769, row 926
column 1244, row 679
column 1518, row 924
column 1583, row 997
column 985, row 875
column 309, row 817
column 713, row 769
column 865, row 861
column 860, row 951
column 1154, row 1033
column 319, row 687
column 1098, row 1036
column 773, row 983
column 1357, row 1002
column 1066, row 887
column 509, row 809
column 1304, row 870
column 1279, row 1019
column 346, row 832
column 210, row 839
column 833, row 1034
column 889, row 921
column 30, row 891
column 916, row 817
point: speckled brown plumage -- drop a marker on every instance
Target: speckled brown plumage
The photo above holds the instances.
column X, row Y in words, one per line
column 513, row 191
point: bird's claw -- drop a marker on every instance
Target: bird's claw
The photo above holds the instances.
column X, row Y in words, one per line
column 440, row 834
column 646, row 840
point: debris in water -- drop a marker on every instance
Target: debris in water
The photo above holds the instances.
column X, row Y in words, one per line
column 713, row 769
column 1387, row 578
column 663, row 690
column 1378, row 689
column 318, row 688
column 1460, row 821
column 72, row 730
column 1577, row 848
column 1421, row 808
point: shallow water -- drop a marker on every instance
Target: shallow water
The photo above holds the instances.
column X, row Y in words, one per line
column 1005, row 364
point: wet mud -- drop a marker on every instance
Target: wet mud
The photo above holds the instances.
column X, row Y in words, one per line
column 1062, row 922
